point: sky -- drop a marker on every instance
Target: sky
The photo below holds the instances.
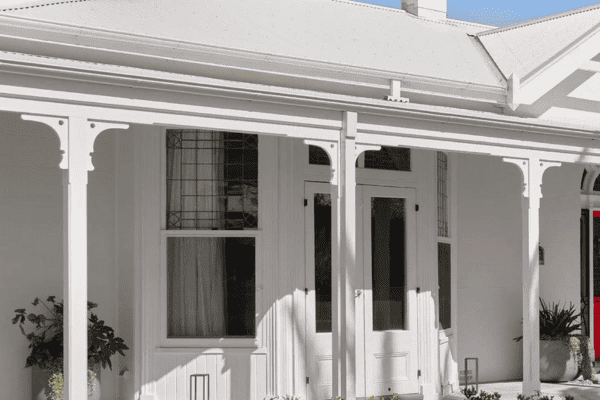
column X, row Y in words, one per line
column 500, row 12
column 490, row 12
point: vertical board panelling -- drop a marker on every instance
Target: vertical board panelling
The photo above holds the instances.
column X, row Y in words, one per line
column 254, row 375
column 190, row 369
column 211, row 370
column 222, row 378
column 182, row 372
column 161, row 378
column 201, row 369
column 261, row 373
column 171, row 364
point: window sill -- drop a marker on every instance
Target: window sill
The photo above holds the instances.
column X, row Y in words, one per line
column 249, row 343
column 211, row 350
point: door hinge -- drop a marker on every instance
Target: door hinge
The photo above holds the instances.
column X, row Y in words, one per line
column 305, row 202
column 416, row 207
column 418, row 373
column 305, row 290
column 418, row 290
column 307, row 380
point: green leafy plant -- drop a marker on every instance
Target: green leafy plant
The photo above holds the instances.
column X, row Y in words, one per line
column 538, row 396
column 559, row 324
column 471, row 393
column 556, row 323
column 46, row 338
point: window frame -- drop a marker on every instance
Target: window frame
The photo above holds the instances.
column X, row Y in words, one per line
column 241, row 342
column 445, row 334
column 369, row 176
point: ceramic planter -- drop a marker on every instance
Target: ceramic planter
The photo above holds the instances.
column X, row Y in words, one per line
column 41, row 387
column 558, row 362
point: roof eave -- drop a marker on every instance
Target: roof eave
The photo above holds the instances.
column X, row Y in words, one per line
column 45, row 38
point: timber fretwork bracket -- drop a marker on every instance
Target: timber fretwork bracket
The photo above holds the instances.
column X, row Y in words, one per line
column 532, row 170
column 82, row 127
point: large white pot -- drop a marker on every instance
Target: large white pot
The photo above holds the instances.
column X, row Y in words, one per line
column 41, row 389
column 558, row 362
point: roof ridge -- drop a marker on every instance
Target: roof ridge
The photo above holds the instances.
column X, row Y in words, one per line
column 35, row 4
column 542, row 19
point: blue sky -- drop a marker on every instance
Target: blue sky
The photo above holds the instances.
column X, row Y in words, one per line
column 500, row 12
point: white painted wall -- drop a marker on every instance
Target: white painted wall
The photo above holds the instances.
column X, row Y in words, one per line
column 489, row 257
column 31, row 261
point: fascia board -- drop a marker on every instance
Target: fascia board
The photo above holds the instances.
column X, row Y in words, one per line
column 159, row 82
column 558, row 69
column 27, row 35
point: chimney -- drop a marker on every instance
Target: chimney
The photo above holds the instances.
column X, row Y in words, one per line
column 432, row 9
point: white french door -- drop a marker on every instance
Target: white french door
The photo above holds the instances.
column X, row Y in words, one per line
column 386, row 310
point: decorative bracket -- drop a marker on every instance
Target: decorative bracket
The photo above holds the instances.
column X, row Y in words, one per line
column 61, row 127
column 532, row 170
column 331, row 148
column 360, row 148
column 93, row 130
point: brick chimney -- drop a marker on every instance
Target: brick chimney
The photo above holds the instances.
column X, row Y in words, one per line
column 432, row 9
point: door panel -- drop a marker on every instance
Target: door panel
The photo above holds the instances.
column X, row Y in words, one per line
column 386, row 300
column 318, row 283
column 389, row 263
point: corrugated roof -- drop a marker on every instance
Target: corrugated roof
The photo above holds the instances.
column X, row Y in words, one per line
column 335, row 31
column 526, row 47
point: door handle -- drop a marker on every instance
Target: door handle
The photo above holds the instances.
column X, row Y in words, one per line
column 357, row 292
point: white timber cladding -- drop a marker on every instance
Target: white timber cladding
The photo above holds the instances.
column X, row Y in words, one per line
column 236, row 367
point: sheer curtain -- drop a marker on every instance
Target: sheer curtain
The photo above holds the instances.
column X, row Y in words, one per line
column 196, row 277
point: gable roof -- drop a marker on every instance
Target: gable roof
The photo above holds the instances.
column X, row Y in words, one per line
column 332, row 31
column 526, row 48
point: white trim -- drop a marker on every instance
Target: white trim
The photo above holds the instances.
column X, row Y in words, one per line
column 95, row 44
column 260, row 310
column 539, row 82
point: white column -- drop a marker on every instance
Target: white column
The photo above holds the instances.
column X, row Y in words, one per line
column 533, row 171
column 77, row 137
column 344, row 212
column 343, row 157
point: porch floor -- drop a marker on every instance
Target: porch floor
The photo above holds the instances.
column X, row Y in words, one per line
column 509, row 390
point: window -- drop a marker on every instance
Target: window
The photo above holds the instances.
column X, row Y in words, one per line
column 388, row 158
column 444, row 246
column 211, row 185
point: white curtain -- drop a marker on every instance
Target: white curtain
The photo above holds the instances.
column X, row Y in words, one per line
column 196, row 266
column 197, row 289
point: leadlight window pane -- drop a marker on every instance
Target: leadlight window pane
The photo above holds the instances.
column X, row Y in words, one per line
column 322, row 221
column 597, row 184
column 444, row 284
column 442, row 193
column 211, row 287
column 317, row 156
column 388, row 263
column 388, row 158
column 212, row 180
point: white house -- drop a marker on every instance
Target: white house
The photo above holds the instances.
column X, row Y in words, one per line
column 314, row 198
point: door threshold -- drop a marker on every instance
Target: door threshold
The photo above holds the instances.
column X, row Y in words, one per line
column 413, row 396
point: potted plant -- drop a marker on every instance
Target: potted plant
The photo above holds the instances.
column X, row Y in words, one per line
column 563, row 355
column 46, row 344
